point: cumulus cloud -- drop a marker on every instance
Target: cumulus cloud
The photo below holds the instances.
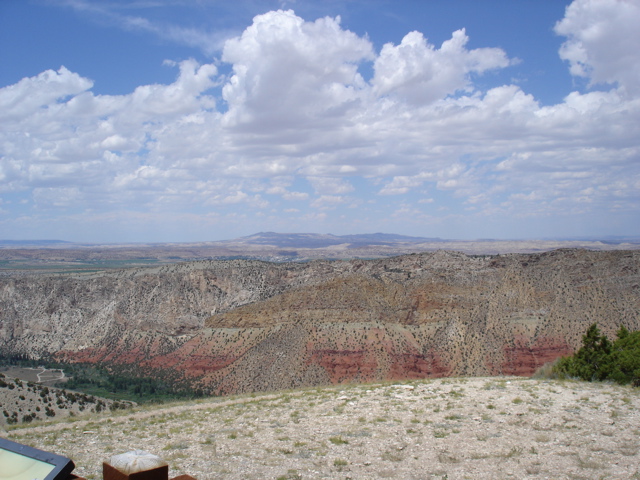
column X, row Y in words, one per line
column 289, row 73
column 603, row 42
column 419, row 73
column 26, row 97
column 174, row 100
column 56, row 133
column 296, row 109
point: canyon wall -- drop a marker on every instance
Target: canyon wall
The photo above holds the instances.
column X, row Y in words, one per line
column 239, row 326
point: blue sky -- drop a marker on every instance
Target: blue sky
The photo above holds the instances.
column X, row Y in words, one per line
column 176, row 120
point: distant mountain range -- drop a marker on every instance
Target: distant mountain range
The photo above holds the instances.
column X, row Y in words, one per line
column 58, row 255
column 316, row 240
column 33, row 243
column 287, row 240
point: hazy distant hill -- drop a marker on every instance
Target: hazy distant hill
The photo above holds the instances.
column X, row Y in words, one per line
column 53, row 256
column 33, row 243
column 311, row 240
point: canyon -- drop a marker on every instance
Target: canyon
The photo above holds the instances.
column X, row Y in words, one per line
column 238, row 326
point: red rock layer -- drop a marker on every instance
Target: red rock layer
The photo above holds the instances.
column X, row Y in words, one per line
column 524, row 357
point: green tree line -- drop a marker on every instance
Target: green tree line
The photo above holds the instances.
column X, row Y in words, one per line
column 110, row 383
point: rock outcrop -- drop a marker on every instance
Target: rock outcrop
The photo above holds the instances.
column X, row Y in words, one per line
column 239, row 326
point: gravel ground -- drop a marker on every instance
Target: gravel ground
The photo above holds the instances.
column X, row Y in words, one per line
column 472, row 428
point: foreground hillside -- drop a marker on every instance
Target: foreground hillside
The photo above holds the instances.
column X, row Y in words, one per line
column 480, row 428
column 25, row 402
column 228, row 327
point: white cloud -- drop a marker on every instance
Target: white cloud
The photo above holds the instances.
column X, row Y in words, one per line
column 277, row 190
column 419, row 73
column 25, row 98
column 330, row 185
column 402, row 184
column 57, row 197
column 235, row 197
column 152, row 102
column 292, row 74
column 299, row 109
column 603, row 42
column 57, row 134
column 286, row 194
column 295, row 196
column 328, row 201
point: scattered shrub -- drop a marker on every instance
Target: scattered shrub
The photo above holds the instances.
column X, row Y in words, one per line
column 28, row 418
column 338, row 440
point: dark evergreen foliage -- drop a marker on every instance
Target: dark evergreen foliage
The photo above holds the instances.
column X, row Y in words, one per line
column 600, row 359
column 101, row 382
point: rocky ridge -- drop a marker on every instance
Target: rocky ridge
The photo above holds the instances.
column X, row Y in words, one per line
column 239, row 326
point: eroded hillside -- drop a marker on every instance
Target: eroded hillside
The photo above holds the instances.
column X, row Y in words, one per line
column 239, row 326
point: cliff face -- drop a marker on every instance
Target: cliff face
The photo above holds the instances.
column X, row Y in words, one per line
column 241, row 326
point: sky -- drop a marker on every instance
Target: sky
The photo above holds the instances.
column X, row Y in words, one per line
column 202, row 120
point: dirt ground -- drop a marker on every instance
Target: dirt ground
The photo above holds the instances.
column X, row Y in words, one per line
column 470, row 428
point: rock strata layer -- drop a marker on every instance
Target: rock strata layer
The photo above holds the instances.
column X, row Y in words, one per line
column 239, row 326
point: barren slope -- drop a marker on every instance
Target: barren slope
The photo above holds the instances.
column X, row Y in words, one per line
column 242, row 326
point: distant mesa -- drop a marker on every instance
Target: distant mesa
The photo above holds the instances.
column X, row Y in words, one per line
column 56, row 256
column 32, row 243
column 313, row 240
